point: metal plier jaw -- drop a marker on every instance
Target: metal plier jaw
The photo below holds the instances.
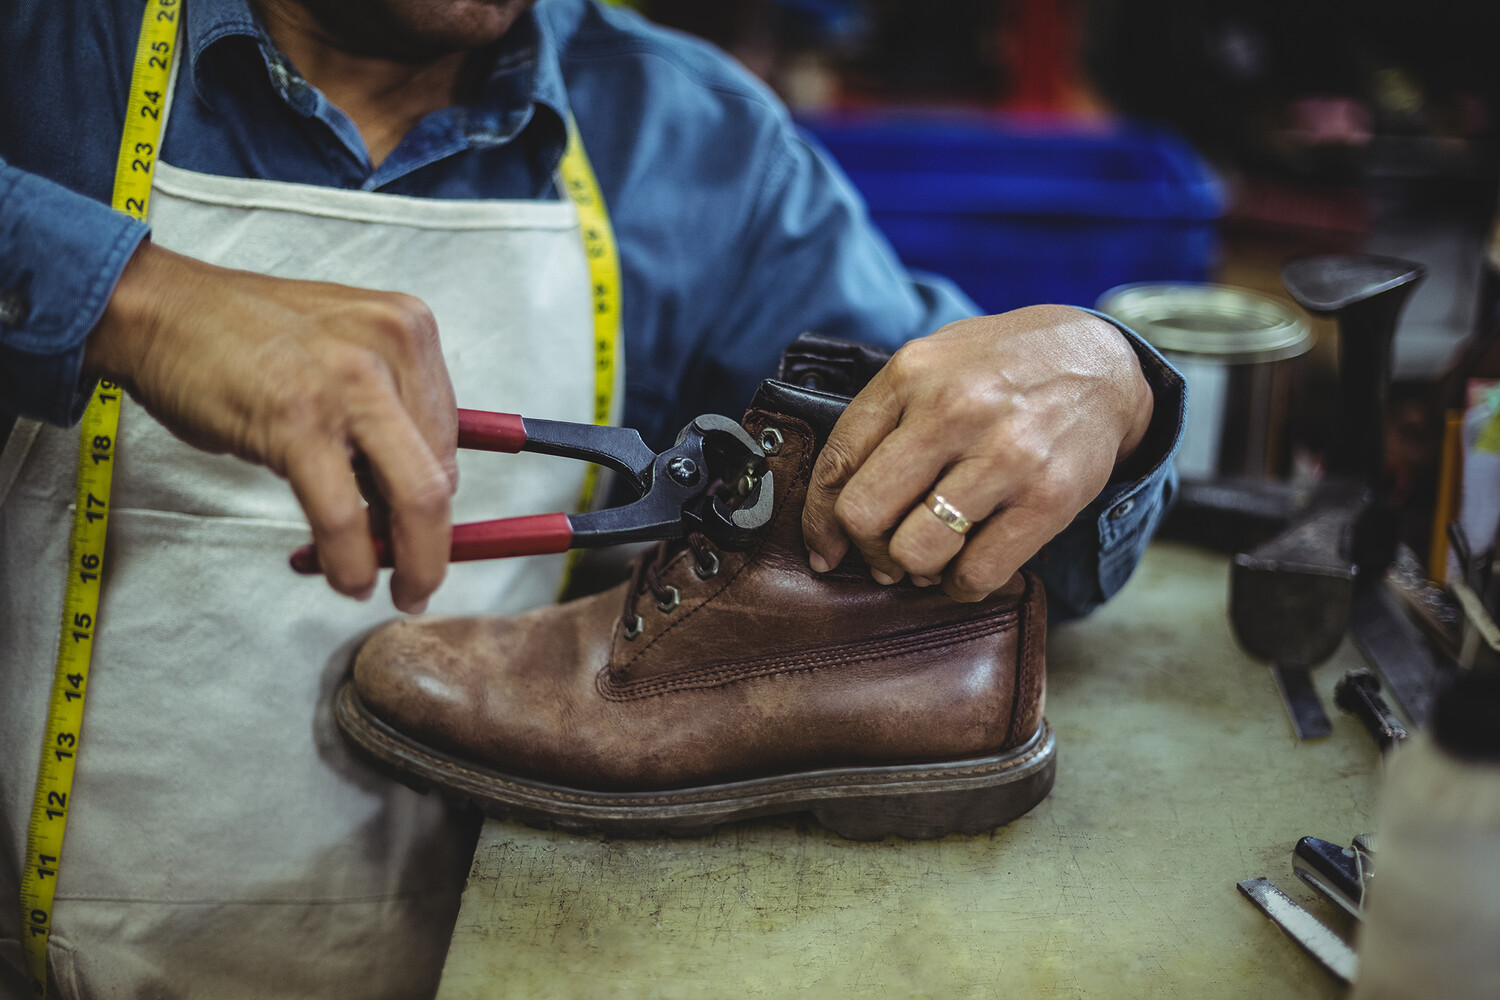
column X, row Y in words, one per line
column 685, row 488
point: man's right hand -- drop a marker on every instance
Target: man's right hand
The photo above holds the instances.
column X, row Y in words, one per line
column 302, row 377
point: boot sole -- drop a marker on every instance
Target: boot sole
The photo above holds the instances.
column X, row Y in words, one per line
column 914, row 801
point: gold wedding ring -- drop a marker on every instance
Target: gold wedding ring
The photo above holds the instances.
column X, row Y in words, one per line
column 948, row 514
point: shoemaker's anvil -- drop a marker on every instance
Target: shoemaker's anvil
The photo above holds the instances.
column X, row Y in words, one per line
column 1290, row 599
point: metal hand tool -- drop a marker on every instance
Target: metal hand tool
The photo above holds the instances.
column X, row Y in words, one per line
column 1358, row 692
column 1338, row 874
column 1302, row 927
column 692, row 486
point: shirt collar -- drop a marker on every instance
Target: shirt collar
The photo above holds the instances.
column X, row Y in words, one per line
column 527, row 72
column 209, row 21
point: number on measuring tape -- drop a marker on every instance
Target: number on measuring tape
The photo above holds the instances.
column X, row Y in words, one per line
column 98, row 437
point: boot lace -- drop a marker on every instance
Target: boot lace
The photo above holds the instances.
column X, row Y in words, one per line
column 648, row 569
column 647, row 576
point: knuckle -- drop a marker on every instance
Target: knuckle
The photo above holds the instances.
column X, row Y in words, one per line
column 357, row 366
column 909, row 361
column 341, row 521
column 972, row 584
column 913, row 558
column 834, row 464
column 857, row 516
column 426, row 497
column 975, row 398
column 1053, row 492
column 410, row 320
column 398, row 325
column 294, row 400
column 1022, row 457
column 421, row 331
column 815, row 520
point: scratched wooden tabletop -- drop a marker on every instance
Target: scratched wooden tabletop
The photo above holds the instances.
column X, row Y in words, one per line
column 1178, row 775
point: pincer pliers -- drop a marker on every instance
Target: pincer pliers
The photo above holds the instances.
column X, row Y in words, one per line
column 713, row 481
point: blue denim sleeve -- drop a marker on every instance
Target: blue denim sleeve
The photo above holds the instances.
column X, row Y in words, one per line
column 61, row 254
column 1091, row 559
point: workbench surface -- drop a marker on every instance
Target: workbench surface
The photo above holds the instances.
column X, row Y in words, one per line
column 1178, row 775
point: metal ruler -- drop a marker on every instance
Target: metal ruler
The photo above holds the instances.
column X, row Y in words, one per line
column 1322, row 944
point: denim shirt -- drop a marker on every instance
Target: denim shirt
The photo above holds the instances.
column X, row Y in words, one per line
column 735, row 232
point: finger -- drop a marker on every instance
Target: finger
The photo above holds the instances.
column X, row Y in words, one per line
column 895, row 477
column 319, row 473
column 424, row 385
column 870, row 416
column 997, row 548
column 364, row 479
column 435, row 413
column 376, row 508
column 923, row 543
column 415, row 487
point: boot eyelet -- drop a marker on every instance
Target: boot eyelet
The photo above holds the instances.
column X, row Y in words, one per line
column 708, row 567
column 674, row 598
column 771, row 441
column 634, row 628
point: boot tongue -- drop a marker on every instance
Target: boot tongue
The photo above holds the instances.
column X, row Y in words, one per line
column 820, row 410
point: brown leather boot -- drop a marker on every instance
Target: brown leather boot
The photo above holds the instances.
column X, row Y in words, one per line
column 717, row 686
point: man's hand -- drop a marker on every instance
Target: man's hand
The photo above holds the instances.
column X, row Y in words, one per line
column 302, row 377
column 1016, row 420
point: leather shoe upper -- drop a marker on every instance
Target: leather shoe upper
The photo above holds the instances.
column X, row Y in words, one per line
column 760, row 667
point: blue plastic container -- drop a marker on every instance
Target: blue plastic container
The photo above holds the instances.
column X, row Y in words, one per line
column 1019, row 214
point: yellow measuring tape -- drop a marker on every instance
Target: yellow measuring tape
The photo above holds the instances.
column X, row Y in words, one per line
column 604, row 280
column 96, row 453
column 139, row 143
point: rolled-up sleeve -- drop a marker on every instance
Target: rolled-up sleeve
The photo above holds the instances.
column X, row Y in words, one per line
column 61, row 255
column 1091, row 559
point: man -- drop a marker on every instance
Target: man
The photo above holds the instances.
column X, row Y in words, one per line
column 403, row 154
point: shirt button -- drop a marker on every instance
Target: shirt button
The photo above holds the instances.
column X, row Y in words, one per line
column 14, row 308
column 1121, row 509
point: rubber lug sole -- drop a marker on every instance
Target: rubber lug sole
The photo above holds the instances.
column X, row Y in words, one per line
column 917, row 801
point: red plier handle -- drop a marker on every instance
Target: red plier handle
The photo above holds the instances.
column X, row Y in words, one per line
column 672, row 486
column 530, row 535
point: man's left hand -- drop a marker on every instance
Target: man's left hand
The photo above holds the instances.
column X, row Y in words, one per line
column 1017, row 421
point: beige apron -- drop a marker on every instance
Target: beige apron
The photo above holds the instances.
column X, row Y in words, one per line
column 222, row 841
